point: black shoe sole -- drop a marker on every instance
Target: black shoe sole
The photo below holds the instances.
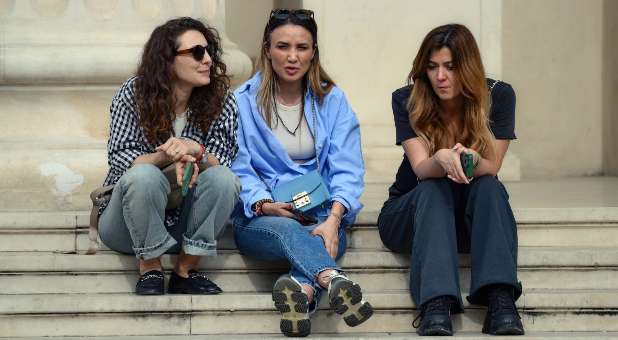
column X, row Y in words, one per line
column 293, row 305
column 437, row 331
column 191, row 292
column 506, row 330
column 346, row 299
column 151, row 292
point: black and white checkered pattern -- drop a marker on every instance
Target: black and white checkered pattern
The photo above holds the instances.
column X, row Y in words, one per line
column 127, row 140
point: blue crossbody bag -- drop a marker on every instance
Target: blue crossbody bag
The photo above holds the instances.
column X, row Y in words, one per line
column 309, row 190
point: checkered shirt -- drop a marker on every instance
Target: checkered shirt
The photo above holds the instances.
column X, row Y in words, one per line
column 127, row 140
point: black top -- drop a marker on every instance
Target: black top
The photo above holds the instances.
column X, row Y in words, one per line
column 502, row 124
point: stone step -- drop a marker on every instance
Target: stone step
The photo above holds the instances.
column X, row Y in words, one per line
column 372, row 280
column 599, row 205
column 528, row 257
column 562, row 201
column 532, row 299
column 360, row 336
column 359, row 237
column 212, row 318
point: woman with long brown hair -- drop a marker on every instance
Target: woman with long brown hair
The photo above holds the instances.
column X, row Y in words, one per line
column 177, row 111
column 450, row 109
column 296, row 124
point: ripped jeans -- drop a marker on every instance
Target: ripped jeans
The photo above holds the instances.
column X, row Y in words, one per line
column 273, row 238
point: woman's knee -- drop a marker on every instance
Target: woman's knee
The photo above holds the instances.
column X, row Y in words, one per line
column 144, row 176
column 488, row 184
column 220, row 179
column 432, row 186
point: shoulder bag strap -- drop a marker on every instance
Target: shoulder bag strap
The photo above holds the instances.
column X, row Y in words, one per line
column 315, row 132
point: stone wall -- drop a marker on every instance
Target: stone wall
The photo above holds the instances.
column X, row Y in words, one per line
column 552, row 54
column 610, row 87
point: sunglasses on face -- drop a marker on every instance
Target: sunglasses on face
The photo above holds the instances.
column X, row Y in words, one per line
column 198, row 51
column 284, row 14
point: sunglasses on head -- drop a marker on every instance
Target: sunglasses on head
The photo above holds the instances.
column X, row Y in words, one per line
column 283, row 14
column 198, row 51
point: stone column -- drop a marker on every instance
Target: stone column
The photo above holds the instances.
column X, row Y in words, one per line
column 61, row 62
column 93, row 41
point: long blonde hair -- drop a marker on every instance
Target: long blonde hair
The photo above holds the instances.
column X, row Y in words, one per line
column 316, row 78
column 424, row 106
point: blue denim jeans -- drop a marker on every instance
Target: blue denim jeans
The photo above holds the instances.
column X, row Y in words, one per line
column 273, row 238
column 133, row 222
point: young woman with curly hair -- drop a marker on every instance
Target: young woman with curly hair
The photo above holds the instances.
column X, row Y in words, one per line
column 176, row 111
column 448, row 109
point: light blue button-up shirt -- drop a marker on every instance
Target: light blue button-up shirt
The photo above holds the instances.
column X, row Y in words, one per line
column 263, row 163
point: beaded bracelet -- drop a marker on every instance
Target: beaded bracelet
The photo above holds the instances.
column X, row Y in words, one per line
column 257, row 206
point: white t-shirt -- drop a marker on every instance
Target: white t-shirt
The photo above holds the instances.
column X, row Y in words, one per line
column 179, row 124
column 300, row 146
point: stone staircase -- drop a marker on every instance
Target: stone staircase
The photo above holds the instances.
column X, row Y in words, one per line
column 568, row 264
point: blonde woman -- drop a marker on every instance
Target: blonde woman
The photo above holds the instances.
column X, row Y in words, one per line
column 292, row 117
column 434, row 209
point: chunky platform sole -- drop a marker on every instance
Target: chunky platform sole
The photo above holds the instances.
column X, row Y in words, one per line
column 293, row 305
column 346, row 299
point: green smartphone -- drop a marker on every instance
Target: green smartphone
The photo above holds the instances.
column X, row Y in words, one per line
column 186, row 178
column 467, row 164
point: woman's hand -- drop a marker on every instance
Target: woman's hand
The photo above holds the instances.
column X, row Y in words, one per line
column 329, row 232
column 450, row 162
column 181, row 164
column 278, row 209
column 176, row 148
column 476, row 157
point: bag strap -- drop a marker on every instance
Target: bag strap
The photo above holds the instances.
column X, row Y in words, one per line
column 93, row 232
column 315, row 132
column 96, row 196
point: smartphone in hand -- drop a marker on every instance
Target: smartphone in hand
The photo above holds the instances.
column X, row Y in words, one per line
column 186, row 178
column 305, row 219
column 467, row 164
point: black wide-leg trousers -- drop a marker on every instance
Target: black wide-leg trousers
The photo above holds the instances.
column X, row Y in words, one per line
column 440, row 218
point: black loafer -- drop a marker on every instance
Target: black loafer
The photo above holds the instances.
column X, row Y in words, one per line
column 502, row 317
column 435, row 317
column 151, row 283
column 196, row 283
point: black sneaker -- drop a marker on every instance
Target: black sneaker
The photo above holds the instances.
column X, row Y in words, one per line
column 502, row 317
column 293, row 305
column 196, row 283
column 151, row 283
column 346, row 299
column 434, row 318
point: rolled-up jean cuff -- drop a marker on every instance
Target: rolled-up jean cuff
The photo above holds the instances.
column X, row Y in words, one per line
column 199, row 248
column 155, row 251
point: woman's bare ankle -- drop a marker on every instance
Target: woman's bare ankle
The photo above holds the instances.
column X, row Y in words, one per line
column 148, row 265
column 325, row 276
column 308, row 290
column 186, row 262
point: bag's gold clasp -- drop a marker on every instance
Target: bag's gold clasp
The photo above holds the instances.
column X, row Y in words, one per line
column 301, row 199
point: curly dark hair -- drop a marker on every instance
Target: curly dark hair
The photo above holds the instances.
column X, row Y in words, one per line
column 153, row 86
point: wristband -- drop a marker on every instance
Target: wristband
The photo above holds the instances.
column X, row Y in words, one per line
column 257, row 206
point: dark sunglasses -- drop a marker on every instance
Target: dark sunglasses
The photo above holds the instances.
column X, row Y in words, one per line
column 284, row 14
column 198, row 51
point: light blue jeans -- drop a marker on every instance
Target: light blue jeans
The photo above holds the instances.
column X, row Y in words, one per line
column 133, row 222
column 273, row 238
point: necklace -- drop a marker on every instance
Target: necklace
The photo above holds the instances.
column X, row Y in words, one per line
column 300, row 119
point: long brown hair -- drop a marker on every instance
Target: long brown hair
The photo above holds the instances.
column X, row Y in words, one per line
column 155, row 77
column 316, row 78
column 424, row 103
